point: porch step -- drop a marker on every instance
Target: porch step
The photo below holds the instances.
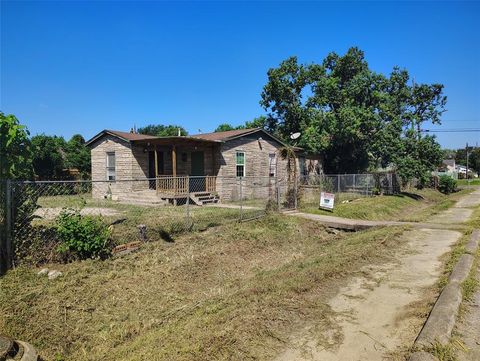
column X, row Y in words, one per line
column 202, row 198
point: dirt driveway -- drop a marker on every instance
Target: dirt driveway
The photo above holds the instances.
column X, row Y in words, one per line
column 377, row 311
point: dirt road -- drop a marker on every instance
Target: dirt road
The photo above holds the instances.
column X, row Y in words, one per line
column 376, row 312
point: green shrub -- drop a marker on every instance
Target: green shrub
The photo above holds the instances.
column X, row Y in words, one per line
column 82, row 236
column 447, row 184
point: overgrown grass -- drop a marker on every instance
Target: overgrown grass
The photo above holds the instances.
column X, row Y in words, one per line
column 443, row 352
column 161, row 221
column 231, row 292
column 464, row 182
column 415, row 206
column 451, row 259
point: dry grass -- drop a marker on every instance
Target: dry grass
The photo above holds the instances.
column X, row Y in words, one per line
column 414, row 206
column 231, row 292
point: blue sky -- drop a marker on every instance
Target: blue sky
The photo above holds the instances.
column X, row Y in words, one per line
column 80, row 67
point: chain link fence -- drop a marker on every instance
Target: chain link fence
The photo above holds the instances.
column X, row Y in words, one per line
column 155, row 209
column 134, row 210
column 346, row 187
column 4, row 242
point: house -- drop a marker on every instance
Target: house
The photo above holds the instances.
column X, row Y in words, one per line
column 204, row 167
column 448, row 165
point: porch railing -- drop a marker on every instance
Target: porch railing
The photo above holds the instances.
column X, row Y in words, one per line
column 210, row 183
column 180, row 185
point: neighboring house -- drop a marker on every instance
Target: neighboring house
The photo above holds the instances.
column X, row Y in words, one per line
column 448, row 168
column 214, row 162
column 448, row 165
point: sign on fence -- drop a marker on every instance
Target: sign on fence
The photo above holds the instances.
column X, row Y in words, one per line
column 327, row 200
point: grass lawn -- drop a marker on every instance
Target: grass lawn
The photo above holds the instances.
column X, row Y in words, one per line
column 415, row 206
column 473, row 182
column 231, row 292
column 161, row 221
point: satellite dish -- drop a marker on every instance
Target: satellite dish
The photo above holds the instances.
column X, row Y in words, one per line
column 295, row 135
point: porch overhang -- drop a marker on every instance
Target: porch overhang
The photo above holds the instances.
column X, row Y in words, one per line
column 174, row 141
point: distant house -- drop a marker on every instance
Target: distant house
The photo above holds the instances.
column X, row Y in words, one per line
column 203, row 166
column 448, row 165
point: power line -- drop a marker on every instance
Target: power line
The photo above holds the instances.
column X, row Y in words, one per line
column 461, row 120
column 451, row 130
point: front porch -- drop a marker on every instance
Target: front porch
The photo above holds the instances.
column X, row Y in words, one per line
column 200, row 190
column 180, row 168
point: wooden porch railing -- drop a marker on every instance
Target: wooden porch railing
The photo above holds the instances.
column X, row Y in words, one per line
column 210, row 183
column 180, row 185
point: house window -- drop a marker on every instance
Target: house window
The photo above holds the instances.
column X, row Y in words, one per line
column 272, row 165
column 303, row 166
column 240, row 161
column 111, row 174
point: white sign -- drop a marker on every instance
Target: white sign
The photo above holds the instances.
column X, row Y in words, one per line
column 327, row 200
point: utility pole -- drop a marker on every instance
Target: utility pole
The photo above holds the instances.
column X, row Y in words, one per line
column 466, row 172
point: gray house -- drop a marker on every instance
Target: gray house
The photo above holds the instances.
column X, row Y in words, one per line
column 204, row 167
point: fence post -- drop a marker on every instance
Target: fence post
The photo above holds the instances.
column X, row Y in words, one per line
column 241, row 199
column 320, row 188
column 338, row 183
column 187, row 215
column 8, row 224
column 295, row 194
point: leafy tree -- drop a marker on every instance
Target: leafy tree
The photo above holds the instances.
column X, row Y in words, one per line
column 15, row 163
column 357, row 118
column 78, row 155
column 226, row 127
column 259, row 122
column 49, row 156
column 15, row 149
column 162, row 130
column 448, row 153
column 474, row 159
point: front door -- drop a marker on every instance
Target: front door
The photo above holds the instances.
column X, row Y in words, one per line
column 197, row 182
column 151, row 167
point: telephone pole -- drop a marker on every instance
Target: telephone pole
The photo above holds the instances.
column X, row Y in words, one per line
column 466, row 172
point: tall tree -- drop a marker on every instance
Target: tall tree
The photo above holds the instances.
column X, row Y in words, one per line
column 357, row 118
column 161, row 130
column 15, row 149
column 77, row 155
column 226, row 127
column 259, row 122
column 48, row 156
column 474, row 159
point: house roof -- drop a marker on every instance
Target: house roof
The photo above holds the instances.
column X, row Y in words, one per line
column 216, row 137
column 226, row 135
column 449, row 162
column 237, row 133
column 127, row 136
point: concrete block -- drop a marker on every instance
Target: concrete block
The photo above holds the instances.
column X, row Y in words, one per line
column 462, row 269
column 472, row 245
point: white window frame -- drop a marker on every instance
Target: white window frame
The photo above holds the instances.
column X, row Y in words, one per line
column 108, row 168
column 244, row 165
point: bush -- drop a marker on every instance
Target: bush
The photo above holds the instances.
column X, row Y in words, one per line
column 447, row 184
column 82, row 236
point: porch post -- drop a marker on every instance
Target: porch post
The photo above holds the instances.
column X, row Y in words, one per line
column 174, row 168
column 174, row 161
column 214, row 165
